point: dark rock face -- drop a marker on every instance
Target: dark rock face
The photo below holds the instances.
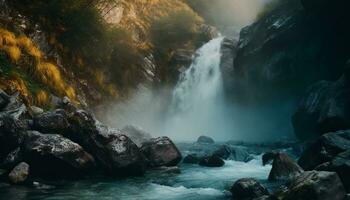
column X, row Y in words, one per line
column 161, row 151
column 290, row 43
column 51, row 122
column 248, row 189
column 53, row 155
column 12, row 159
column 191, row 159
column 19, row 174
column 205, row 140
column 325, row 149
column 114, row 151
column 315, row 185
column 284, row 168
column 211, row 161
column 13, row 124
column 4, row 99
column 233, row 153
column 136, row 134
column 268, row 157
column 325, row 108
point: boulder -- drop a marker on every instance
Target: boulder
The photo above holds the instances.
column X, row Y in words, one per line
column 12, row 159
column 19, row 174
column 205, row 140
column 115, row 152
column 234, row 153
column 11, row 134
column 341, row 165
column 324, row 149
column 136, row 134
column 161, row 151
column 36, row 110
column 314, row 185
column 284, row 168
column 211, row 161
column 53, row 156
column 248, row 189
column 324, row 108
column 269, row 157
column 51, row 122
column 191, row 159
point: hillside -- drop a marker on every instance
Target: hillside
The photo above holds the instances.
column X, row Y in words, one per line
column 93, row 51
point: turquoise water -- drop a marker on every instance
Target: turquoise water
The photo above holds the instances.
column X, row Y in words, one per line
column 194, row 182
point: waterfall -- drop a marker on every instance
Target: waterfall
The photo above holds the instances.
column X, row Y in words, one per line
column 197, row 101
column 201, row 84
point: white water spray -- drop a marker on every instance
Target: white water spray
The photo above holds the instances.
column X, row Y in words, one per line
column 197, row 104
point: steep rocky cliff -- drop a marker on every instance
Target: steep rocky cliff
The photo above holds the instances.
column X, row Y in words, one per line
column 292, row 46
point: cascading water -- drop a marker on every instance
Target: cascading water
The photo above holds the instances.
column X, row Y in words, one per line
column 197, row 102
column 200, row 86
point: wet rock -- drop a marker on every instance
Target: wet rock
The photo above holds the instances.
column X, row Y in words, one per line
column 115, row 152
column 316, row 185
column 12, row 127
column 248, row 189
column 284, row 168
column 233, row 153
column 323, row 109
column 211, row 161
column 36, row 110
column 136, row 134
column 268, row 157
column 324, row 149
column 341, row 165
column 51, row 122
column 53, row 156
column 12, row 159
column 191, row 159
column 19, row 174
column 205, row 140
column 228, row 55
column 161, row 151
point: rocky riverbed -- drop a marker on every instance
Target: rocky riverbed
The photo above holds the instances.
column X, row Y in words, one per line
column 66, row 153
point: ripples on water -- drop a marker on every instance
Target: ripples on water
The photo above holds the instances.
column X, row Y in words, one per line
column 194, row 182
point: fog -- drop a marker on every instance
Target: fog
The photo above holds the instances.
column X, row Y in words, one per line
column 230, row 15
column 197, row 106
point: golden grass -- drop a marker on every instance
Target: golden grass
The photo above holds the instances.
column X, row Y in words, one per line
column 29, row 47
column 13, row 52
column 42, row 98
column 44, row 72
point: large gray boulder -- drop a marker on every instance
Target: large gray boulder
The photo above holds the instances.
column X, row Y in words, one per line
column 19, row 174
column 284, row 168
column 115, row 152
column 314, row 185
column 211, row 161
column 53, row 156
column 51, row 122
column 161, row 151
column 248, row 189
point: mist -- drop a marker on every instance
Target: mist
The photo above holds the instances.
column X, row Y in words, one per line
column 229, row 15
column 197, row 106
